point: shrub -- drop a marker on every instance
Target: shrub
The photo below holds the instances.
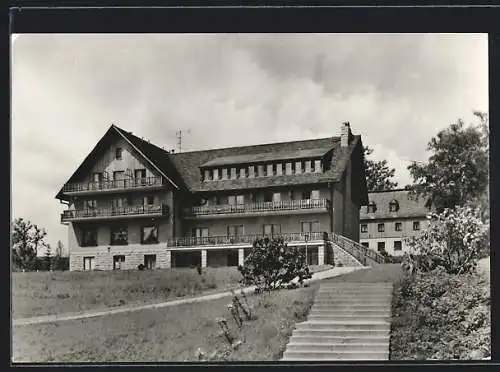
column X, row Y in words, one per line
column 271, row 264
column 454, row 240
column 438, row 315
column 141, row 267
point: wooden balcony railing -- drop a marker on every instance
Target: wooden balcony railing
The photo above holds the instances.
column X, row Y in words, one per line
column 259, row 207
column 72, row 215
column 242, row 239
column 128, row 183
column 357, row 250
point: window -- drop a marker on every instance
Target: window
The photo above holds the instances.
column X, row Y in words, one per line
column 261, row 170
column 235, row 230
column 140, row 173
column 276, row 196
column 365, row 244
column 90, row 204
column 97, row 177
column 233, row 173
column 270, row 229
column 243, row 172
column 398, row 245
column 119, row 203
column 393, row 206
column 397, row 226
column 309, row 226
column 118, row 154
column 372, row 207
column 317, row 165
column 118, row 262
column 315, row 194
column 380, row 246
column 216, row 174
column 270, row 170
column 306, row 194
column 279, row 169
column 364, row 228
column 88, row 263
column 225, row 174
column 416, row 225
column 150, row 261
column 149, row 200
column 268, row 196
column 381, row 227
column 119, row 235
column 89, row 238
column 149, row 234
column 298, row 167
column 200, row 232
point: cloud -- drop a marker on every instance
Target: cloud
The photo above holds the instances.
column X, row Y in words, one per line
column 397, row 91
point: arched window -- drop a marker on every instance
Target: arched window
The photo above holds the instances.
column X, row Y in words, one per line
column 393, row 206
column 372, row 207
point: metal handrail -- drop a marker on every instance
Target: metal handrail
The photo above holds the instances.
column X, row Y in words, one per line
column 125, row 183
column 259, row 206
column 242, row 239
column 113, row 211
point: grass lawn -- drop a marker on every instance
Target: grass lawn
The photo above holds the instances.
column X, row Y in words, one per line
column 168, row 334
column 47, row 293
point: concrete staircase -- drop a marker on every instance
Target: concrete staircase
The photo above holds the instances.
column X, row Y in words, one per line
column 348, row 321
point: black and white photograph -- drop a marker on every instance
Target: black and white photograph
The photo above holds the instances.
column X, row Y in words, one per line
column 242, row 197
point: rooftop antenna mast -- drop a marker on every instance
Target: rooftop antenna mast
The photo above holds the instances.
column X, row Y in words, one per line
column 179, row 138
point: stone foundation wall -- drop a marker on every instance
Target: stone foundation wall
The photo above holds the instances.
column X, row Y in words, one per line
column 339, row 255
column 104, row 260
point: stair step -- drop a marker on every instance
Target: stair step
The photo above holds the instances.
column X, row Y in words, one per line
column 323, row 347
column 346, row 312
column 347, row 306
column 348, row 333
column 319, row 339
column 349, row 301
column 332, row 355
column 337, row 325
column 352, row 318
column 351, row 295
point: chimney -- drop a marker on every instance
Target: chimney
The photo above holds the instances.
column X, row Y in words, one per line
column 345, row 134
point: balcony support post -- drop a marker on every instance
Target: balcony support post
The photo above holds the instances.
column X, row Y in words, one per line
column 241, row 256
column 203, row 258
column 168, row 259
column 321, row 254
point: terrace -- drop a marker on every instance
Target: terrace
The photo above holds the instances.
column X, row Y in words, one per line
column 273, row 207
column 112, row 185
column 114, row 213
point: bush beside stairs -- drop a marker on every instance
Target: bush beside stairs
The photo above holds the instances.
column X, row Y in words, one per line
column 348, row 321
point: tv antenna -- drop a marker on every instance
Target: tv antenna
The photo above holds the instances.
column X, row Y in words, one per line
column 179, row 138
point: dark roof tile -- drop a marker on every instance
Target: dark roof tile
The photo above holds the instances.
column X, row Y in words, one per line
column 408, row 207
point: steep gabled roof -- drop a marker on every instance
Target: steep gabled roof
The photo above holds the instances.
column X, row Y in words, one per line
column 154, row 155
column 408, row 207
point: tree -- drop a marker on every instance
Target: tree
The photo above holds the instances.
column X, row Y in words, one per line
column 27, row 238
column 48, row 257
column 455, row 239
column 378, row 174
column 457, row 171
column 272, row 264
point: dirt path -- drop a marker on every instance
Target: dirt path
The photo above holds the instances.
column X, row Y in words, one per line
column 92, row 314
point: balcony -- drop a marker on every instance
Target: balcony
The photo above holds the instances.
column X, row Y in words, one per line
column 114, row 213
column 274, row 207
column 112, row 185
column 244, row 240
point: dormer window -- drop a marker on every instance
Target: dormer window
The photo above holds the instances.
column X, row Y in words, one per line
column 393, row 206
column 372, row 207
column 118, row 154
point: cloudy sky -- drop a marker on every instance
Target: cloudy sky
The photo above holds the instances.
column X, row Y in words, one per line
column 397, row 91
